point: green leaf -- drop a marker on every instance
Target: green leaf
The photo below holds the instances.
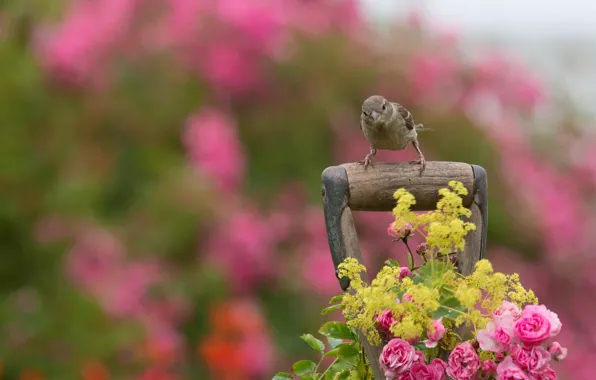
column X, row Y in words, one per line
column 348, row 350
column 343, row 375
column 313, row 342
column 332, row 352
column 338, row 330
column 335, row 299
column 432, row 272
column 392, row 263
column 343, row 364
column 334, row 342
column 303, row 367
column 449, row 309
column 307, row 378
column 282, row 376
column 329, row 309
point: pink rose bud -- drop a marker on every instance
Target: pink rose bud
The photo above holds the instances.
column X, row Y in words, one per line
column 404, row 272
column 499, row 356
column 422, row 249
column 384, row 322
column 453, row 259
column 397, row 357
column 489, row 367
column 401, row 232
column 435, row 334
column 557, row 351
column 463, row 362
column 407, row 297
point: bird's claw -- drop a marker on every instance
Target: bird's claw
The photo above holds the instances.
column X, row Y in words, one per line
column 366, row 162
column 422, row 163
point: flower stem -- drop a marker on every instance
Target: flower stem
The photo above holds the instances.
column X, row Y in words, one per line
column 410, row 254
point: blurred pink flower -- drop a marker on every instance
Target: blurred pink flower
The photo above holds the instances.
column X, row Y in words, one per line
column 95, row 256
column 74, row 51
column 242, row 244
column 213, row 147
column 433, row 76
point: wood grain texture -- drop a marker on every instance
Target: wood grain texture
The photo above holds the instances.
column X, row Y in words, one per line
column 471, row 254
column 352, row 246
column 372, row 189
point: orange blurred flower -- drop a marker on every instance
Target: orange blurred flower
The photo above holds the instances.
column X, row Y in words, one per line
column 94, row 370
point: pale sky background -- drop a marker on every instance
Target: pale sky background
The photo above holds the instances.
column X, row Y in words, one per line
column 556, row 38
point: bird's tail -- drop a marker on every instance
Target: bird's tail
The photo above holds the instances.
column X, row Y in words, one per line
column 422, row 128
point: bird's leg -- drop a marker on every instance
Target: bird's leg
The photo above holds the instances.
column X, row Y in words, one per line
column 367, row 160
column 421, row 159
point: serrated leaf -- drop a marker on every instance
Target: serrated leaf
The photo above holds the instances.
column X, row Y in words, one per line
column 334, row 342
column 303, row 367
column 282, row 376
column 343, row 364
column 313, row 342
column 329, row 309
column 348, row 350
column 332, row 352
column 335, row 299
column 449, row 309
column 432, row 272
column 336, row 330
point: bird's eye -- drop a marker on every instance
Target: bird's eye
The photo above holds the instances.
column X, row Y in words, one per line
column 384, row 107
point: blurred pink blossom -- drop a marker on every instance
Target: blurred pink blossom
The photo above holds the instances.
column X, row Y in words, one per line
column 242, row 244
column 77, row 47
column 213, row 147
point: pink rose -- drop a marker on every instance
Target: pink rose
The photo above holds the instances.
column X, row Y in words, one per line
column 499, row 356
column 489, row 367
column 435, row 334
column 508, row 370
column 548, row 374
column 496, row 337
column 463, row 362
column 401, row 232
column 438, row 362
column 533, row 328
column 407, row 297
column 421, row 371
column 557, row 351
column 404, row 272
column 384, row 322
column 507, row 310
column 397, row 357
column 534, row 359
column 553, row 319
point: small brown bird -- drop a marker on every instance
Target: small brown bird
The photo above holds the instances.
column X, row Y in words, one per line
column 389, row 126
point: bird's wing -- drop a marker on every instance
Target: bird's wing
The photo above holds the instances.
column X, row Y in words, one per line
column 406, row 115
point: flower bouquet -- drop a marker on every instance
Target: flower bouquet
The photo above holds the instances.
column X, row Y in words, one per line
column 431, row 321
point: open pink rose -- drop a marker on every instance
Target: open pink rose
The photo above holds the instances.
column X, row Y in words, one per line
column 397, row 357
column 534, row 359
column 435, row 334
column 399, row 232
column 507, row 310
column 553, row 319
column 421, row 371
column 548, row 374
column 384, row 322
column 463, row 362
column 533, row 328
column 508, row 370
column 557, row 351
column 497, row 336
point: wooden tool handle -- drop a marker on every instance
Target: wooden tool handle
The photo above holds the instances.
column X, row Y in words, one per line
column 372, row 189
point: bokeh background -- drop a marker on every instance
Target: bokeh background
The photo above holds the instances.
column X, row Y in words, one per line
column 160, row 160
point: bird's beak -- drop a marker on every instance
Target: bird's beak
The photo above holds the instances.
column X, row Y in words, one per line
column 375, row 116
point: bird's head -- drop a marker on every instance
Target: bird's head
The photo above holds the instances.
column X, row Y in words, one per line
column 376, row 110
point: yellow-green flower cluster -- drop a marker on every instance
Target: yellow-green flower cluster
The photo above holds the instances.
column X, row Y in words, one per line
column 439, row 289
column 443, row 228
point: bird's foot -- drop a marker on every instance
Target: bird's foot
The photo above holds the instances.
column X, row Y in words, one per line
column 422, row 163
column 366, row 162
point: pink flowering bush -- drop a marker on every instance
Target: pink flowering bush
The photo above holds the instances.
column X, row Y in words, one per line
column 162, row 158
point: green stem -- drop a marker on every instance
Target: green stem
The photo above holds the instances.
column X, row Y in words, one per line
column 325, row 371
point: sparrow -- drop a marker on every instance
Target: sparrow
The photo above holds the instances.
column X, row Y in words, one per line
column 389, row 126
